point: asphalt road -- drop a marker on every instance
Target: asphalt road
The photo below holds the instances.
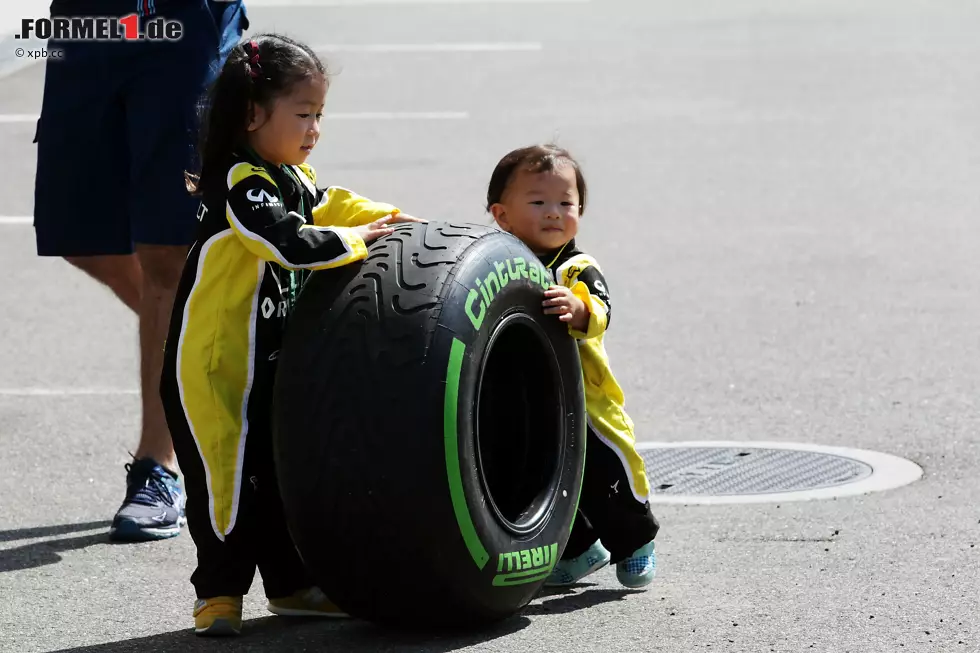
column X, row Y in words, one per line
column 783, row 197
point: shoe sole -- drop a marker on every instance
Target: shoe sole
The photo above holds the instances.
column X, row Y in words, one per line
column 588, row 572
column 637, row 582
column 220, row 628
column 129, row 532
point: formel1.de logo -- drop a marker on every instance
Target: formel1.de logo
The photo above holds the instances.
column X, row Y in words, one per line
column 100, row 28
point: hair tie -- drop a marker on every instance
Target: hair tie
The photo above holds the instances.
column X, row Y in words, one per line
column 252, row 67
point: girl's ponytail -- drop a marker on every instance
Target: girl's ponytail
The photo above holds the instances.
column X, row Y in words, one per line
column 224, row 117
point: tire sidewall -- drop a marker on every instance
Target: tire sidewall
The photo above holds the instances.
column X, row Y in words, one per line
column 507, row 564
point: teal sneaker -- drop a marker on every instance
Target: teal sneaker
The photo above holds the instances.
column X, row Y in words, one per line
column 569, row 572
column 639, row 569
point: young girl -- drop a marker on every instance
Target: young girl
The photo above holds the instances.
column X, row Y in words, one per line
column 262, row 218
column 538, row 194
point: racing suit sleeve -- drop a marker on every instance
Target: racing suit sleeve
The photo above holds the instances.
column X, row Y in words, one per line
column 339, row 207
column 258, row 217
column 581, row 274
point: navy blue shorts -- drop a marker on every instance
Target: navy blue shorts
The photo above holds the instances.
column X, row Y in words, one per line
column 118, row 129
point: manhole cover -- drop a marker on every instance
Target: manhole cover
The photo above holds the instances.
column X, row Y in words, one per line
column 755, row 472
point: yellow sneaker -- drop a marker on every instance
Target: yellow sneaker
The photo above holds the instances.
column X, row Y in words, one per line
column 311, row 602
column 221, row 615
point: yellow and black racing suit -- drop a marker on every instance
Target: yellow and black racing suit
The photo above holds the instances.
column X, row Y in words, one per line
column 265, row 222
column 614, row 505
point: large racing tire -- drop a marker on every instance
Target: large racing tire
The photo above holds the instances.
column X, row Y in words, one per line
column 429, row 428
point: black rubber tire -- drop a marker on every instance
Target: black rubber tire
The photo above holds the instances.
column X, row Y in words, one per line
column 430, row 451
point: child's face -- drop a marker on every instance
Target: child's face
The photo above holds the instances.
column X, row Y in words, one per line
column 540, row 208
column 289, row 132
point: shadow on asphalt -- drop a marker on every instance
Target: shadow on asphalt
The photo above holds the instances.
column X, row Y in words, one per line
column 39, row 554
column 277, row 634
column 46, row 531
column 569, row 601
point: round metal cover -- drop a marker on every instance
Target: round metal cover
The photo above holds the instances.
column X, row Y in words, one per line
column 754, row 472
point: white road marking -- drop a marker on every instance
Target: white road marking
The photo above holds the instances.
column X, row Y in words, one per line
column 383, row 115
column 18, row 117
column 361, row 3
column 386, row 48
column 357, row 115
column 16, row 219
column 66, row 392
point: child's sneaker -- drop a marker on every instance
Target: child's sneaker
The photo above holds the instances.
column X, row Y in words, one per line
column 569, row 572
column 639, row 569
column 219, row 616
column 311, row 602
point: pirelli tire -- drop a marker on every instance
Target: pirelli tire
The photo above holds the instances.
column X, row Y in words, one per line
column 429, row 428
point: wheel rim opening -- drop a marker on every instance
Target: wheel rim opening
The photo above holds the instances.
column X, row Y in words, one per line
column 519, row 425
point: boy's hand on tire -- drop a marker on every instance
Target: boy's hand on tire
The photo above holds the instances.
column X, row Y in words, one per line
column 561, row 301
column 374, row 230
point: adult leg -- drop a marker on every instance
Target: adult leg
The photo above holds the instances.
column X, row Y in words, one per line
column 154, row 503
column 121, row 273
column 146, row 283
column 153, row 507
column 161, row 270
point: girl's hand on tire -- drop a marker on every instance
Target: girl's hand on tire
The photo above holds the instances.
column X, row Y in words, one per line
column 561, row 301
column 374, row 230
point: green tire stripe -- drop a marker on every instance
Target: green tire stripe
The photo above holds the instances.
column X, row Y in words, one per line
column 472, row 540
